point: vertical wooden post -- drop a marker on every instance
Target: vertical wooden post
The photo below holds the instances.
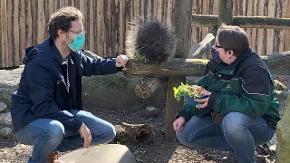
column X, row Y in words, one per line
column 225, row 12
column 181, row 20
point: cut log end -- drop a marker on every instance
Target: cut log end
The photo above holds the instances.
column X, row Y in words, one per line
column 134, row 133
column 147, row 86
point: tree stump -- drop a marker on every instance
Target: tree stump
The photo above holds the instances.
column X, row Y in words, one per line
column 134, row 133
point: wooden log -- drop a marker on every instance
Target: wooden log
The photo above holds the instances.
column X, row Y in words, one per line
column 147, row 86
column 181, row 20
column 196, row 67
column 244, row 21
column 134, row 133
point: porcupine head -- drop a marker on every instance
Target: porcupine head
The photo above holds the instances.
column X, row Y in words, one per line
column 151, row 40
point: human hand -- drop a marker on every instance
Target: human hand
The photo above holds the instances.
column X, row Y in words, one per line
column 178, row 124
column 86, row 135
column 203, row 102
column 121, row 60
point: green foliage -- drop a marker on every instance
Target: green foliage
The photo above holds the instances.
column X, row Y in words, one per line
column 194, row 91
column 139, row 58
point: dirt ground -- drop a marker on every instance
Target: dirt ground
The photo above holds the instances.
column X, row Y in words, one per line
column 160, row 151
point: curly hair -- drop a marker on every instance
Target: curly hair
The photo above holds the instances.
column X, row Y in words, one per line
column 62, row 19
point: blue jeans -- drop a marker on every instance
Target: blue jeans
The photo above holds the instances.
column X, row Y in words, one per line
column 237, row 131
column 48, row 135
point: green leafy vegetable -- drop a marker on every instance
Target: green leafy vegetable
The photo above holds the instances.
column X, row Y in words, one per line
column 188, row 90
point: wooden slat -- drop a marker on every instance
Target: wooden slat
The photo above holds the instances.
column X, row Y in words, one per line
column 15, row 34
column 286, row 14
column 9, row 49
column 40, row 21
column 22, row 30
column 270, row 32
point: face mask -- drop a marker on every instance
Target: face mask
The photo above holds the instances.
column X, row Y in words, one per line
column 77, row 42
column 215, row 55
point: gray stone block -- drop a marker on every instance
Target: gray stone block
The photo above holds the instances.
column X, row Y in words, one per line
column 107, row 153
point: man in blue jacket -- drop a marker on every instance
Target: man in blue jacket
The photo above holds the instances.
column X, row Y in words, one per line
column 46, row 109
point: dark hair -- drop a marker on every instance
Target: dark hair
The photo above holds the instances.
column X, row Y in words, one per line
column 233, row 38
column 62, row 19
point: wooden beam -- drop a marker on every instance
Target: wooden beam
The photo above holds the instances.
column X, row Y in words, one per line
column 262, row 22
column 181, row 20
column 196, row 67
column 173, row 67
column 243, row 21
column 204, row 20
column 225, row 12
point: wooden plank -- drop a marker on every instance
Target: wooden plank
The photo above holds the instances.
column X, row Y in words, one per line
column 195, row 28
column 225, row 12
column 4, row 32
column 10, row 46
column 100, row 28
column 270, row 32
column 91, row 29
column 244, row 21
column 122, row 25
column 22, row 30
column 40, row 21
column 15, row 34
column 260, row 31
column 196, row 67
column 286, row 14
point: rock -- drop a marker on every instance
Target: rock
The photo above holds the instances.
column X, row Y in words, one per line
column 108, row 153
column 5, row 119
column 6, row 132
column 283, row 135
column 115, row 91
column 151, row 111
column 3, row 107
column 9, row 80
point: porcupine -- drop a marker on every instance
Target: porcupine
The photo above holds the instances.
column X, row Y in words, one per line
column 150, row 39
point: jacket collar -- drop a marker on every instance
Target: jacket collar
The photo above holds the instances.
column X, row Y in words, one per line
column 230, row 69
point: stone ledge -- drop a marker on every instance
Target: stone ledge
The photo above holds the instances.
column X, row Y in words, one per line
column 108, row 153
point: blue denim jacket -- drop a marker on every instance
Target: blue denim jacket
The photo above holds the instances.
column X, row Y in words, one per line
column 42, row 91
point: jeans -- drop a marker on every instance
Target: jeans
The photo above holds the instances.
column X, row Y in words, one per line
column 48, row 135
column 237, row 131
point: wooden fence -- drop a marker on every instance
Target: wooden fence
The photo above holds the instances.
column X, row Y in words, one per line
column 23, row 23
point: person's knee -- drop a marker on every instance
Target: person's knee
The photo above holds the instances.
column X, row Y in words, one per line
column 110, row 131
column 55, row 132
column 234, row 123
column 181, row 137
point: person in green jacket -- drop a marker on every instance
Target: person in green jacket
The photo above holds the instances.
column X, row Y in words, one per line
column 240, row 110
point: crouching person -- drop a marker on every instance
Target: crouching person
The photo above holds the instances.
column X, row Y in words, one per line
column 47, row 107
column 241, row 110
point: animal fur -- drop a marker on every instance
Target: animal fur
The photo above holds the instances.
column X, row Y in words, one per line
column 150, row 39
